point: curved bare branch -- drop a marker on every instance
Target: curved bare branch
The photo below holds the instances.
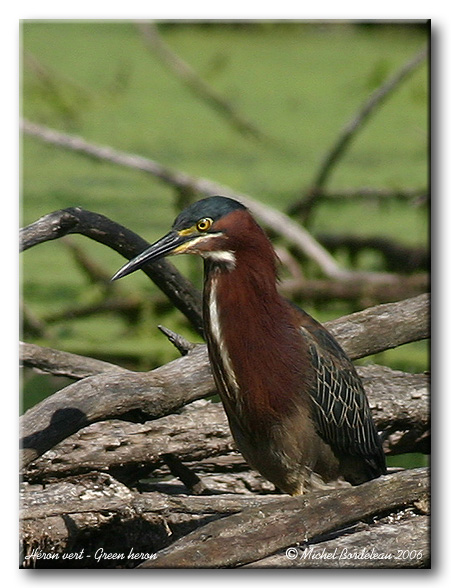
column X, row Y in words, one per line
column 355, row 124
column 100, row 228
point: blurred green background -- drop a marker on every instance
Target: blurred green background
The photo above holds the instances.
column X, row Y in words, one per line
column 298, row 82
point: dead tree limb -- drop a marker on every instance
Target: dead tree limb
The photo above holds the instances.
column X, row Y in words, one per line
column 383, row 327
column 374, row 101
column 397, row 257
column 382, row 288
column 261, row 531
column 130, row 450
column 101, row 229
column 200, row 430
column 278, row 222
column 350, row 130
column 403, row 543
column 192, row 80
column 398, row 322
column 62, row 363
column 144, row 396
column 130, row 396
column 97, row 506
column 275, row 220
column 92, row 510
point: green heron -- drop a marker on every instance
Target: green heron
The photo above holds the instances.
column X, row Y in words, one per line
column 296, row 407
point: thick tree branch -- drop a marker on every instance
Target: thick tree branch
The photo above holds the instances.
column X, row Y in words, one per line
column 144, row 396
column 131, row 396
column 361, row 334
column 140, row 397
column 62, row 363
column 383, row 327
column 97, row 506
column 387, row 544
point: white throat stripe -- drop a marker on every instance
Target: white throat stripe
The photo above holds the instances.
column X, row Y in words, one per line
column 221, row 256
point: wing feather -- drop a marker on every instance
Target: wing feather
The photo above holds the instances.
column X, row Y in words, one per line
column 340, row 407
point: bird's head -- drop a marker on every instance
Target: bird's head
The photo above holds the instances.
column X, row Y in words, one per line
column 213, row 228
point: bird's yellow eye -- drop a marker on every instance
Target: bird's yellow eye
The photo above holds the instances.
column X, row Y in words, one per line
column 204, row 224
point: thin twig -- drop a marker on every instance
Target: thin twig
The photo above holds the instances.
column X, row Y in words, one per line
column 179, row 342
column 192, row 80
column 350, row 130
column 191, row 480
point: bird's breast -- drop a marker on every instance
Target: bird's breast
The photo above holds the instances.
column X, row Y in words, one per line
column 255, row 352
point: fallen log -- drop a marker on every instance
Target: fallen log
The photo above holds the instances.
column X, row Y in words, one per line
column 92, row 516
column 260, row 531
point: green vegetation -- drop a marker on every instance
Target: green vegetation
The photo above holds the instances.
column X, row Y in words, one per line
column 299, row 83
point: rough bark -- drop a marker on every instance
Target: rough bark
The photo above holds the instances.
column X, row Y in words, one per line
column 403, row 543
column 360, row 334
column 62, row 363
column 383, row 327
column 94, row 511
column 261, row 531
column 80, row 439
column 130, row 451
column 132, row 396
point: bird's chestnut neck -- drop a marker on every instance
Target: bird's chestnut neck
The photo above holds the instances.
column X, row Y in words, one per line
column 245, row 251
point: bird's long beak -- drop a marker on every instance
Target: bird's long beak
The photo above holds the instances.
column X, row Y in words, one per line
column 171, row 243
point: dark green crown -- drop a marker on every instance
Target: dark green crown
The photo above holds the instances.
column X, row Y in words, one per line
column 214, row 208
